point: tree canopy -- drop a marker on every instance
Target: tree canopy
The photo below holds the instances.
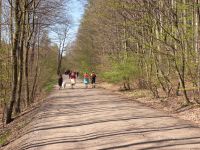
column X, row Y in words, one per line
column 152, row 43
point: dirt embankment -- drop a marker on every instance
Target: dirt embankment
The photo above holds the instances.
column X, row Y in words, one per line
column 17, row 128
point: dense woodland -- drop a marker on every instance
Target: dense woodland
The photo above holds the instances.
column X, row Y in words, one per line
column 28, row 56
column 147, row 44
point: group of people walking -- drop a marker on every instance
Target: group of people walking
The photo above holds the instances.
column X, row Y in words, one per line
column 71, row 76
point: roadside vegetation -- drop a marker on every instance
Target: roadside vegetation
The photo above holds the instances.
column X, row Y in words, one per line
column 143, row 44
column 29, row 56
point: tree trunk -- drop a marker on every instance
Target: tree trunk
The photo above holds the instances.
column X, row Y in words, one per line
column 196, row 41
column 11, row 23
column 27, row 73
column 36, row 69
column 21, row 52
column 59, row 62
column 0, row 22
column 14, row 63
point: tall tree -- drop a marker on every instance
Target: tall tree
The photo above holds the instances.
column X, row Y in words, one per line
column 14, row 60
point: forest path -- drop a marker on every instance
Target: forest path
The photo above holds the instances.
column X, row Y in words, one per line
column 91, row 119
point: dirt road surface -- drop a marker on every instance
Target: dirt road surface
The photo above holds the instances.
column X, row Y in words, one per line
column 96, row 119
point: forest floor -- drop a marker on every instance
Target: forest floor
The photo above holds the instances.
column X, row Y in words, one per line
column 102, row 119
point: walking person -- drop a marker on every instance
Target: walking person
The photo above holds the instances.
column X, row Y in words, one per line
column 86, row 79
column 60, row 81
column 65, row 78
column 67, row 72
column 77, row 74
column 72, row 77
column 93, row 79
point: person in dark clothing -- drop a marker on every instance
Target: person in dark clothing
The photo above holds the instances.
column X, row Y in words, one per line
column 60, row 81
column 77, row 74
column 67, row 72
column 93, row 79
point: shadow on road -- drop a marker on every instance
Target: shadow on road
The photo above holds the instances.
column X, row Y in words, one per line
column 98, row 119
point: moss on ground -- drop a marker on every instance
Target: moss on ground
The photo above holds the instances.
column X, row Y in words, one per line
column 4, row 138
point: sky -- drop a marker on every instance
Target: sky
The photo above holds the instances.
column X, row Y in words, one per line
column 76, row 10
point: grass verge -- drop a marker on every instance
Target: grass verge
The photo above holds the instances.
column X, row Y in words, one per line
column 48, row 87
column 4, row 138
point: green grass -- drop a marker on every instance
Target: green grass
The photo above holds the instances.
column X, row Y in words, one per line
column 48, row 87
column 4, row 138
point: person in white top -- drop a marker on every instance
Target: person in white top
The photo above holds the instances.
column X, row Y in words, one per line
column 65, row 78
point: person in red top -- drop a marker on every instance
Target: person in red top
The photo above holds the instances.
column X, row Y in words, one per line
column 72, row 77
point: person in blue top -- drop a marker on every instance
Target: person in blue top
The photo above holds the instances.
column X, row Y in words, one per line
column 86, row 79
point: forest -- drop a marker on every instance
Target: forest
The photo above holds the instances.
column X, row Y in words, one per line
column 146, row 44
column 28, row 56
